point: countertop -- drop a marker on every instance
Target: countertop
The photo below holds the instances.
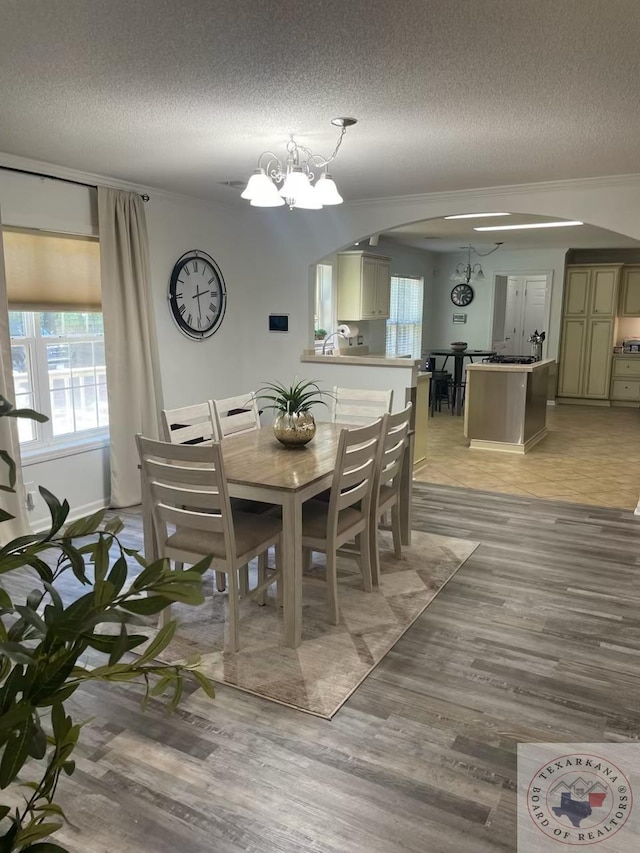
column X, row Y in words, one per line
column 513, row 368
column 365, row 359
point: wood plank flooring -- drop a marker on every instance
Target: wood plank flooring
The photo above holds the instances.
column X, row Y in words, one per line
column 537, row 638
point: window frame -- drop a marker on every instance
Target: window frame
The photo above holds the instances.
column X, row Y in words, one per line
column 47, row 445
column 419, row 323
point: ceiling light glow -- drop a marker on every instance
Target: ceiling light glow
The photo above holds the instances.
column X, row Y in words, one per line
column 564, row 224
column 475, row 215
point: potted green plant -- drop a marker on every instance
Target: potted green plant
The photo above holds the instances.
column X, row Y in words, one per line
column 320, row 334
column 49, row 647
column 294, row 425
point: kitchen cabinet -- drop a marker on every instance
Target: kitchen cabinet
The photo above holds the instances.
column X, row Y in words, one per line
column 625, row 381
column 588, row 332
column 363, row 286
column 630, row 292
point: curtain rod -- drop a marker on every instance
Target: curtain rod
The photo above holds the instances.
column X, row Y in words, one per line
column 143, row 196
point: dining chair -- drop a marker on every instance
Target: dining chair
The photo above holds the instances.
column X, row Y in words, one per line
column 326, row 527
column 235, row 415
column 354, row 406
column 387, row 478
column 188, row 490
column 189, row 424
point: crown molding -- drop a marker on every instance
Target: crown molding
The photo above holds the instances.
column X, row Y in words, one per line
column 419, row 200
column 481, row 193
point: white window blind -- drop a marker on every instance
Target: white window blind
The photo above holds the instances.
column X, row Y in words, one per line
column 404, row 326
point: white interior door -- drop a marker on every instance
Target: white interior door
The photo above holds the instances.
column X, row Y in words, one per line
column 520, row 308
column 534, row 307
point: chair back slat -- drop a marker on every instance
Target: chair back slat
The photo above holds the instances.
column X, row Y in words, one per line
column 169, row 471
column 189, row 424
column 236, row 415
column 393, row 446
column 358, row 406
column 353, row 475
column 179, row 495
column 189, row 518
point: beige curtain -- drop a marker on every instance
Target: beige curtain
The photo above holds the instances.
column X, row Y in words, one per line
column 11, row 502
column 130, row 339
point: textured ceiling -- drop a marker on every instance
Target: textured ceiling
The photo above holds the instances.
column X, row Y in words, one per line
column 450, row 94
column 448, row 235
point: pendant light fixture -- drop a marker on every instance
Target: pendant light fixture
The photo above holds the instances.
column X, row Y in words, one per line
column 276, row 182
column 465, row 273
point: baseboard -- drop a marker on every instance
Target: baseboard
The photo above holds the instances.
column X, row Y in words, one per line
column 41, row 525
column 625, row 404
column 582, row 401
column 508, row 447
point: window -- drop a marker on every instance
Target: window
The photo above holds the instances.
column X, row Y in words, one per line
column 59, row 369
column 324, row 314
column 57, row 336
column 404, row 326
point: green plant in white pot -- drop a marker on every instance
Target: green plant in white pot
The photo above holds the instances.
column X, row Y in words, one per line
column 294, row 425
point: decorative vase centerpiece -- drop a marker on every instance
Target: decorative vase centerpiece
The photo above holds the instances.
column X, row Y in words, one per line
column 294, row 425
column 459, row 346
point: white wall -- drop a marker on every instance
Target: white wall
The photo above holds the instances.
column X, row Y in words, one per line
column 265, row 256
column 440, row 329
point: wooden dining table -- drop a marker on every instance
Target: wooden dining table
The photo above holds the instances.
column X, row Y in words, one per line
column 259, row 468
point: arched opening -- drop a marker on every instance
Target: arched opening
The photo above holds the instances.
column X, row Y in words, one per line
column 502, row 299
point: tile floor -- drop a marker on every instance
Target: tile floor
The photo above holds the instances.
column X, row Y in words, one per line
column 590, row 456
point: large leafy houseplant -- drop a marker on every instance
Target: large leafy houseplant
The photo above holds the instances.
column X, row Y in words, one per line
column 48, row 648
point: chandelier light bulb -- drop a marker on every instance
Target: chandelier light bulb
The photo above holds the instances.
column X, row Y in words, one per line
column 258, row 183
column 327, row 190
column 308, row 200
column 266, row 194
column 296, row 184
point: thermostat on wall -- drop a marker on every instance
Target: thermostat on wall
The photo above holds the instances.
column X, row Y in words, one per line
column 278, row 322
column 459, row 318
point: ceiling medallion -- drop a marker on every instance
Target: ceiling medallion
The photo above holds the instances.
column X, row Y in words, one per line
column 277, row 182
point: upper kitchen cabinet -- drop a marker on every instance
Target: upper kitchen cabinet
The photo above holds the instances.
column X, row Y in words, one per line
column 364, row 286
column 604, row 291
column 630, row 292
column 576, row 300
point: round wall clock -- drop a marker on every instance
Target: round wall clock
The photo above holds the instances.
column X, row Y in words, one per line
column 197, row 295
column 462, row 295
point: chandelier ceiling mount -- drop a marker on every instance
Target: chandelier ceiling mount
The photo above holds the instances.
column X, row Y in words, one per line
column 471, row 272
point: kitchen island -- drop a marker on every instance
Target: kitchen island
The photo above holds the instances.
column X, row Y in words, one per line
column 506, row 405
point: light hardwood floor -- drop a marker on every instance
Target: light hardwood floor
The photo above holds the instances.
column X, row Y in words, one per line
column 590, row 456
column 536, row 638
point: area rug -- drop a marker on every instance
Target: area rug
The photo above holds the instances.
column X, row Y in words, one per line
column 319, row 676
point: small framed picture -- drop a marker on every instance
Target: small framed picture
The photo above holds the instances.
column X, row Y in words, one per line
column 278, row 322
column 459, row 318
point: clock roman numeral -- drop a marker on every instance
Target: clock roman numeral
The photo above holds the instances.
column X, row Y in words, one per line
column 189, row 319
column 195, row 266
column 188, row 272
column 182, row 309
column 212, row 307
column 178, row 295
column 210, row 280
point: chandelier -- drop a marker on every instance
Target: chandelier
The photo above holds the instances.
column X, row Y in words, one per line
column 471, row 272
column 276, row 182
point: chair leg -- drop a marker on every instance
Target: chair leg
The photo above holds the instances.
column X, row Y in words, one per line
column 374, row 551
column 363, row 545
column 221, row 581
column 233, row 642
column 262, row 576
column 332, row 587
column 278, row 565
column 244, row 581
column 396, row 530
column 307, row 553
